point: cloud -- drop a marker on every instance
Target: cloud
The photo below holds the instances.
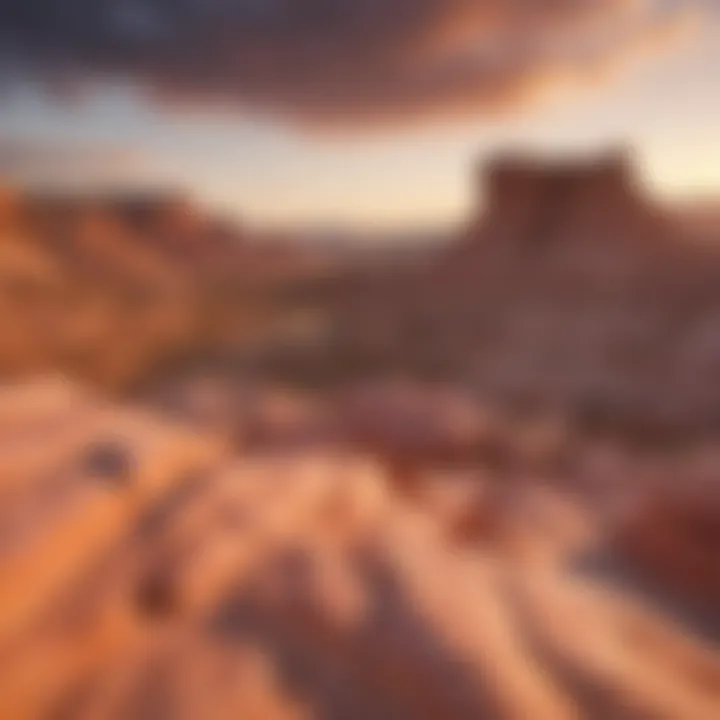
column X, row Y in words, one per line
column 330, row 61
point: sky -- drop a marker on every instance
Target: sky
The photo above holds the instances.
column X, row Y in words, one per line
column 367, row 115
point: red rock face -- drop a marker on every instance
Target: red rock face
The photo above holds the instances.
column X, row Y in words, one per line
column 578, row 215
column 674, row 538
column 533, row 195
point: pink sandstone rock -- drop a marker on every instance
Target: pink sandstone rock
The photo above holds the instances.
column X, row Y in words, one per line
column 272, row 587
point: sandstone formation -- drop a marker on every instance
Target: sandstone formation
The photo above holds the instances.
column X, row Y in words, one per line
column 572, row 291
column 542, row 203
column 674, row 537
column 112, row 288
column 149, row 572
column 493, row 494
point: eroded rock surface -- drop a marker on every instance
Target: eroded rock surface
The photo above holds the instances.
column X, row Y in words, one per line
column 148, row 570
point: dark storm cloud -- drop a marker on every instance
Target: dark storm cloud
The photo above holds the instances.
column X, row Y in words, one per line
column 345, row 61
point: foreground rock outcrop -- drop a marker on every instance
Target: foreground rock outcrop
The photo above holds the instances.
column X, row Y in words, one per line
column 148, row 571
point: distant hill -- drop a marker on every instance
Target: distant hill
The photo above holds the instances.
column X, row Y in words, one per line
column 109, row 286
column 572, row 288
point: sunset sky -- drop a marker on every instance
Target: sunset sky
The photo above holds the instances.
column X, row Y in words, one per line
column 355, row 114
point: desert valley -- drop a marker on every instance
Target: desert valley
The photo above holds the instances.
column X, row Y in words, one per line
column 254, row 479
